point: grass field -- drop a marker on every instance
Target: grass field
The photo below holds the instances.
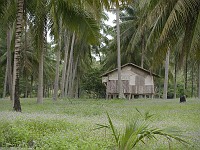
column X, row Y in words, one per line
column 68, row 124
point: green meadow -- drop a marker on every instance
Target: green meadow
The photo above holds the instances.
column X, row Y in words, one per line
column 72, row 124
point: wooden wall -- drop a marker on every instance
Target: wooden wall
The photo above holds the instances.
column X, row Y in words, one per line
column 134, row 81
column 134, row 89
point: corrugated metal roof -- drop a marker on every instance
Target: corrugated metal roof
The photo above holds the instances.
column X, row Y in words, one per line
column 129, row 64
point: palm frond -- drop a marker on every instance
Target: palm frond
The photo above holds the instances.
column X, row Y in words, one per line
column 139, row 130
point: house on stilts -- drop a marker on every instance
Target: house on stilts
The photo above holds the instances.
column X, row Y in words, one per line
column 136, row 82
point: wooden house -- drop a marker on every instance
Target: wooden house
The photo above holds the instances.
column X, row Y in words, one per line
column 136, row 82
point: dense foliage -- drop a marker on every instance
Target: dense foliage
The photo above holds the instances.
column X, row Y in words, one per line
column 62, row 67
column 92, row 84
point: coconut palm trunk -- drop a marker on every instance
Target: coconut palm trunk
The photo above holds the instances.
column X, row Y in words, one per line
column 120, row 88
column 66, row 42
column 40, row 92
column 74, row 73
column 40, row 78
column 56, row 86
column 166, row 75
column 16, row 68
column 69, row 65
column 56, row 82
column 70, row 77
column 41, row 65
column 41, row 42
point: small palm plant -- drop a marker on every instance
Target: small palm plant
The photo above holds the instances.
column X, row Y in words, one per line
column 137, row 132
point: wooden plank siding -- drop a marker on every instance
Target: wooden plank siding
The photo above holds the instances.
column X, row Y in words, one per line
column 135, row 81
column 112, row 86
column 129, row 89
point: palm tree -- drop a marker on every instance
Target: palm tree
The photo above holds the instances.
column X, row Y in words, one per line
column 16, row 68
column 40, row 10
column 56, row 83
column 132, row 42
column 120, row 87
column 166, row 74
column 9, row 58
column 8, row 74
column 69, row 68
column 66, row 51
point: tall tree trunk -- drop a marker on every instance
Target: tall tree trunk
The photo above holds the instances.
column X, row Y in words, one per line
column 69, row 65
column 66, row 42
column 40, row 78
column 74, row 71
column 42, row 47
column 70, row 77
column 25, row 48
column 9, row 62
column 56, row 82
column 166, row 75
column 175, row 82
column 120, row 87
column 16, row 68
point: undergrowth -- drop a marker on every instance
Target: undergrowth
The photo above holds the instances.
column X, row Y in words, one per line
column 69, row 125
